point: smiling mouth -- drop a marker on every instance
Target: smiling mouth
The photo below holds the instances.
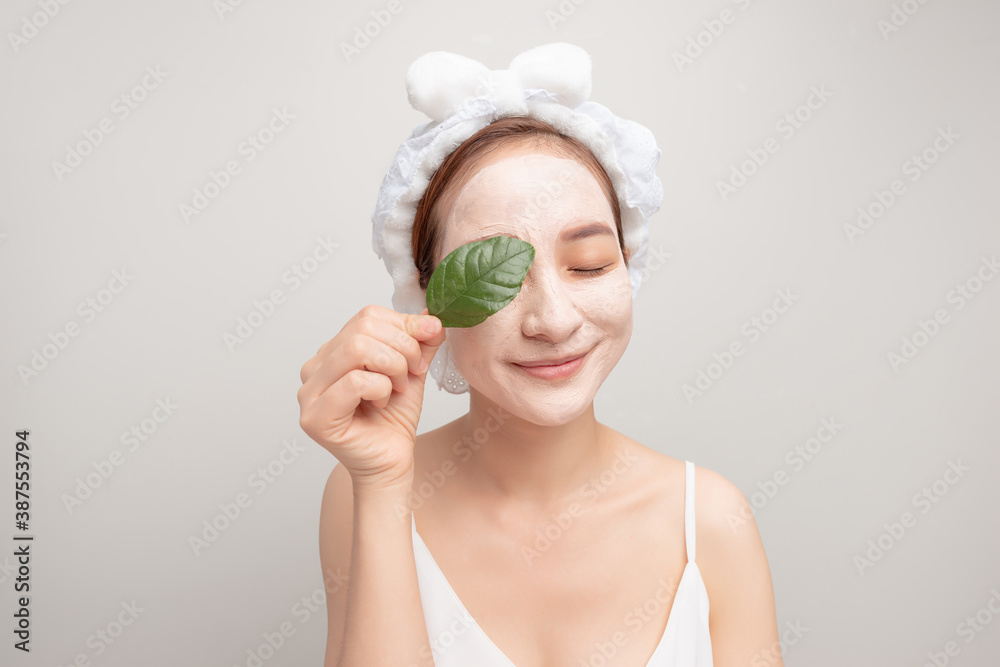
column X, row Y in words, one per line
column 555, row 371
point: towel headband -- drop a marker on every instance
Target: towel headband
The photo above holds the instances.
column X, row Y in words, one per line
column 461, row 96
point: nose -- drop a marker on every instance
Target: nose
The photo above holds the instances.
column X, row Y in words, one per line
column 549, row 309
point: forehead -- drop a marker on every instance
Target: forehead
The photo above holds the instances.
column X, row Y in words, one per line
column 526, row 191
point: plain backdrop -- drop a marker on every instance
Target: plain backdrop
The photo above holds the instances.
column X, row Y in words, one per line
column 875, row 208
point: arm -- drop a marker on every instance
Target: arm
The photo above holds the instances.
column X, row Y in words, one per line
column 731, row 557
column 375, row 615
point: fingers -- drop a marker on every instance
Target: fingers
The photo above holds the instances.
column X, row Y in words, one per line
column 341, row 400
column 375, row 339
column 367, row 352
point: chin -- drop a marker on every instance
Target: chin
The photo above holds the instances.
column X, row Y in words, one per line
column 536, row 410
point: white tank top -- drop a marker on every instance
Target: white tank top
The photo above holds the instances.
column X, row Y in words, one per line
column 458, row 641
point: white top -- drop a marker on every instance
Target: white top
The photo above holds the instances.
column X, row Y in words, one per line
column 458, row 641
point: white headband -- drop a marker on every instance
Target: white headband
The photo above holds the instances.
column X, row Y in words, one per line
column 552, row 83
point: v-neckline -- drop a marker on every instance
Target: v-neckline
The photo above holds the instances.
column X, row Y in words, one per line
column 461, row 605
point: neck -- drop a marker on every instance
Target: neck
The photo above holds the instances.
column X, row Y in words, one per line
column 527, row 465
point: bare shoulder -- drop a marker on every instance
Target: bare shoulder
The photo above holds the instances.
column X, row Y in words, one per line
column 728, row 540
column 726, row 529
column 735, row 570
column 720, row 508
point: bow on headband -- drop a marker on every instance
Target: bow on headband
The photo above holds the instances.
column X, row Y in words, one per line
column 439, row 83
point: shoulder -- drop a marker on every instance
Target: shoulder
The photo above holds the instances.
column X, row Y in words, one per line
column 721, row 509
column 730, row 555
column 728, row 543
column 724, row 522
column 729, row 551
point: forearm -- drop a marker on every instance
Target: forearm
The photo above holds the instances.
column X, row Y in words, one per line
column 384, row 623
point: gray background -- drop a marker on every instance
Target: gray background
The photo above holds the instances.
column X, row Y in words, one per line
column 162, row 336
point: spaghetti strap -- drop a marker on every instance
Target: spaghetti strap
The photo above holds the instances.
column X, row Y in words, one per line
column 689, row 510
column 685, row 642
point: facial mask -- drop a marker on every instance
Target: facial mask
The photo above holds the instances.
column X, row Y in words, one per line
column 562, row 308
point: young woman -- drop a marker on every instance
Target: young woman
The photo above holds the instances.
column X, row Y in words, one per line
column 525, row 532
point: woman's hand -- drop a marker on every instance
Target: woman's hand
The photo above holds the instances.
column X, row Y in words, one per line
column 362, row 393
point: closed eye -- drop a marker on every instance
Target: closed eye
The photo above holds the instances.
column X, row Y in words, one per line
column 593, row 272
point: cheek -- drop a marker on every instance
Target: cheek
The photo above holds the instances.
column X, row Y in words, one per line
column 615, row 320
column 612, row 318
column 474, row 349
column 608, row 303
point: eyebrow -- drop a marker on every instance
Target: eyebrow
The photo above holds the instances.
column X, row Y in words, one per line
column 585, row 231
column 581, row 232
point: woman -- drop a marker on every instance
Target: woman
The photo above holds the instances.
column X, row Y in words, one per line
column 524, row 532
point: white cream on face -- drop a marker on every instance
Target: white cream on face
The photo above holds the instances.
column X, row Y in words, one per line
column 559, row 311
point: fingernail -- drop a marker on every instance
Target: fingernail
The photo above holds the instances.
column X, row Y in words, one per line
column 429, row 324
column 424, row 365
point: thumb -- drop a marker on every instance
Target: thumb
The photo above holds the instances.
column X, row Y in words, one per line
column 431, row 340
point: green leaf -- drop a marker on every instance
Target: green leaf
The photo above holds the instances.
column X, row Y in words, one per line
column 477, row 279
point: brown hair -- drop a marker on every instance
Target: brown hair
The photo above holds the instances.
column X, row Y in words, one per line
column 459, row 167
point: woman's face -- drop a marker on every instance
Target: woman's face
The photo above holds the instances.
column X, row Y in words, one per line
column 563, row 309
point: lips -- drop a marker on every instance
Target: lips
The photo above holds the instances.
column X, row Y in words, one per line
column 555, row 361
column 551, row 369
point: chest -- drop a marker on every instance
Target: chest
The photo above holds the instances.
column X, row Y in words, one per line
column 582, row 590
